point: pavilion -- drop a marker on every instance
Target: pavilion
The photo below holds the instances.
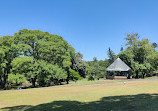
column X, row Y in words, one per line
column 118, row 70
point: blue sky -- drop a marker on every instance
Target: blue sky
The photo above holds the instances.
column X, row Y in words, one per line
column 90, row 26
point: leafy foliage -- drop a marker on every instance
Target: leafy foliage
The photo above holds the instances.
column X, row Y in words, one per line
column 79, row 65
column 16, row 79
column 139, row 55
column 97, row 69
column 42, row 58
column 38, row 56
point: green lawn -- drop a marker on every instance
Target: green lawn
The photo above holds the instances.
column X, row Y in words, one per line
column 103, row 95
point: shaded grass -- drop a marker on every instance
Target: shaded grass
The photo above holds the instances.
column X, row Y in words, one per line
column 140, row 102
column 100, row 96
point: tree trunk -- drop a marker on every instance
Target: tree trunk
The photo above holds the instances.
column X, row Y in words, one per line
column 4, row 82
column 0, row 82
column 33, row 80
column 143, row 75
column 68, row 77
column 67, row 81
column 136, row 75
column 60, row 82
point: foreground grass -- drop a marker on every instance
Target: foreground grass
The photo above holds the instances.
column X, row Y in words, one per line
column 103, row 95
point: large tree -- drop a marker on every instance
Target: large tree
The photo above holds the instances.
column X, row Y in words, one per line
column 44, row 46
column 37, row 55
column 137, row 55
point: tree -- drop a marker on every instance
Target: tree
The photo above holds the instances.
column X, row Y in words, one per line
column 97, row 69
column 34, row 54
column 154, row 45
column 16, row 79
column 127, row 57
column 47, row 73
column 25, row 66
column 121, row 48
column 79, row 65
column 111, row 55
column 95, row 59
column 8, row 51
column 2, row 68
column 41, row 71
column 137, row 54
column 44, row 46
column 132, row 39
column 74, row 75
column 152, row 58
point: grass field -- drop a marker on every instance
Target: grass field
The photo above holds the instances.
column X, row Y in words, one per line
column 103, row 95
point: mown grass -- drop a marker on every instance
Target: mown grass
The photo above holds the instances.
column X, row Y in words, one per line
column 103, row 95
column 85, row 81
column 153, row 77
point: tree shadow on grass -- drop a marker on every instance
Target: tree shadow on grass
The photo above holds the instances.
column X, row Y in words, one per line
column 140, row 102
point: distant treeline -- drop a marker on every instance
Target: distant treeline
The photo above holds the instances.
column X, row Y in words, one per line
column 139, row 54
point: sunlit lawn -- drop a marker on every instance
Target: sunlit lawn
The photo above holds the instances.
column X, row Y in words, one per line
column 102, row 95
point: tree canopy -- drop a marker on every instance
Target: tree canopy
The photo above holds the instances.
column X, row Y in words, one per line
column 42, row 59
column 38, row 57
column 140, row 55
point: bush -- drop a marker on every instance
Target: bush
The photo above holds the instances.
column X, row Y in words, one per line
column 16, row 79
column 91, row 78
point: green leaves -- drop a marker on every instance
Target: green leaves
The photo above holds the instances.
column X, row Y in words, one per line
column 48, row 72
column 74, row 75
column 79, row 65
column 22, row 65
column 111, row 55
column 16, row 79
column 139, row 55
column 97, row 69
column 132, row 39
column 39, row 56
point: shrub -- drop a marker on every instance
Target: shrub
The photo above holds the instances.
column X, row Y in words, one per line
column 16, row 79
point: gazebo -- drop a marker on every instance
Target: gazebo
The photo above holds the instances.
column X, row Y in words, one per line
column 118, row 70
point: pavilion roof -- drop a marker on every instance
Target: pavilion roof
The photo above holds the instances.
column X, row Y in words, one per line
column 118, row 65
